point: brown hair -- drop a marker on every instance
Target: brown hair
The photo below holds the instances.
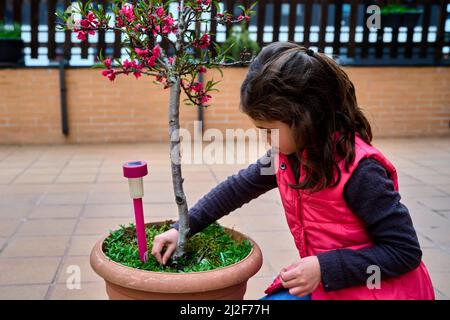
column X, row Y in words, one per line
column 312, row 94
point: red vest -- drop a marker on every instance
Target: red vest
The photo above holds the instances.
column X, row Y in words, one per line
column 322, row 221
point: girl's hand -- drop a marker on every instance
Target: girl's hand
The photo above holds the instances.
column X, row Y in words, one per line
column 303, row 277
column 166, row 240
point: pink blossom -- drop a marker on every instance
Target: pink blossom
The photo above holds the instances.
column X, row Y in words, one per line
column 107, row 63
column 151, row 61
column 168, row 25
column 141, row 52
column 202, row 69
column 242, row 17
column 156, row 52
column 126, row 65
column 160, row 12
column 92, row 19
column 203, row 43
column 196, row 87
column 82, row 36
column 204, row 2
column 119, row 22
column 137, row 67
column 110, row 74
column 171, row 60
column 128, row 11
column 205, row 98
column 166, row 29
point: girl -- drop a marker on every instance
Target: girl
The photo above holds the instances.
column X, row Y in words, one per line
column 340, row 194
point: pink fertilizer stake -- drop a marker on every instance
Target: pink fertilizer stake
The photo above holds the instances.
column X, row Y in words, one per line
column 135, row 171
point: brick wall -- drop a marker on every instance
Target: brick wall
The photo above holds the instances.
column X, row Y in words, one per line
column 399, row 102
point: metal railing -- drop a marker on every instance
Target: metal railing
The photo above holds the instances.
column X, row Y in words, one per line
column 337, row 28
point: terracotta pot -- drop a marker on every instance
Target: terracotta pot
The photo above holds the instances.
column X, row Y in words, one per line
column 228, row 283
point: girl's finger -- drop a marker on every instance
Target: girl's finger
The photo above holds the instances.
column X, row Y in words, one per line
column 170, row 249
column 290, row 284
column 296, row 291
column 156, row 250
column 288, row 275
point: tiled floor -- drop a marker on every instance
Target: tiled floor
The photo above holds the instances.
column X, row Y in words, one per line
column 56, row 201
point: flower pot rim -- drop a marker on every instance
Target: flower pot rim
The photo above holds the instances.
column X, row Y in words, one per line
column 187, row 282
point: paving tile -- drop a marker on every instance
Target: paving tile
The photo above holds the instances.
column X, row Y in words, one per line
column 436, row 203
column 256, row 287
column 82, row 245
column 6, row 179
column 87, row 274
column 436, row 260
column 441, row 282
column 35, row 178
column 281, row 258
column 47, row 227
column 70, row 188
column 36, row 247
column 55, row 211
column 87, row 291
column 109, row 211
column 273, row 240
column 257, row 208
column 434, row 179
column 111, row 198
column 73, row 170
column 39, row 171
column 15, row 211
column 444, row 187
column 23, row 292
column 76, row 178
column 439, row 235
column 8, row 227
column 440, row 296
column 36, row 188
column 421, row 191
column 17, row 271
column 428, row 219
column 19, row 199
column 100, row 227
column 265, row 223
column 63, row 199
column 424, row 241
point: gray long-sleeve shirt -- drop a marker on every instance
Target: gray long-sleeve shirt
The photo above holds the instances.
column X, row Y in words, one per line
column 369, row 193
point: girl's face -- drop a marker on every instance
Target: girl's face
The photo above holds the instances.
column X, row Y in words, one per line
column 286, row 143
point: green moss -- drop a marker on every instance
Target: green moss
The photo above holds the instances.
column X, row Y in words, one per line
column 210, row 249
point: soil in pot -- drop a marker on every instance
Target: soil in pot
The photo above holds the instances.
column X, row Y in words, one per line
column 209, row 249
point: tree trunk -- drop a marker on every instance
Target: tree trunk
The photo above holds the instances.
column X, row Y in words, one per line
column 175, row 157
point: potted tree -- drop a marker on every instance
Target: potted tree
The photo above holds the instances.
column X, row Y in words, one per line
column 11, row 44
column 217, row 262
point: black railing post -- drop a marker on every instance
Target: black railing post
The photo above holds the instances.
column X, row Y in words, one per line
column 63, row 94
